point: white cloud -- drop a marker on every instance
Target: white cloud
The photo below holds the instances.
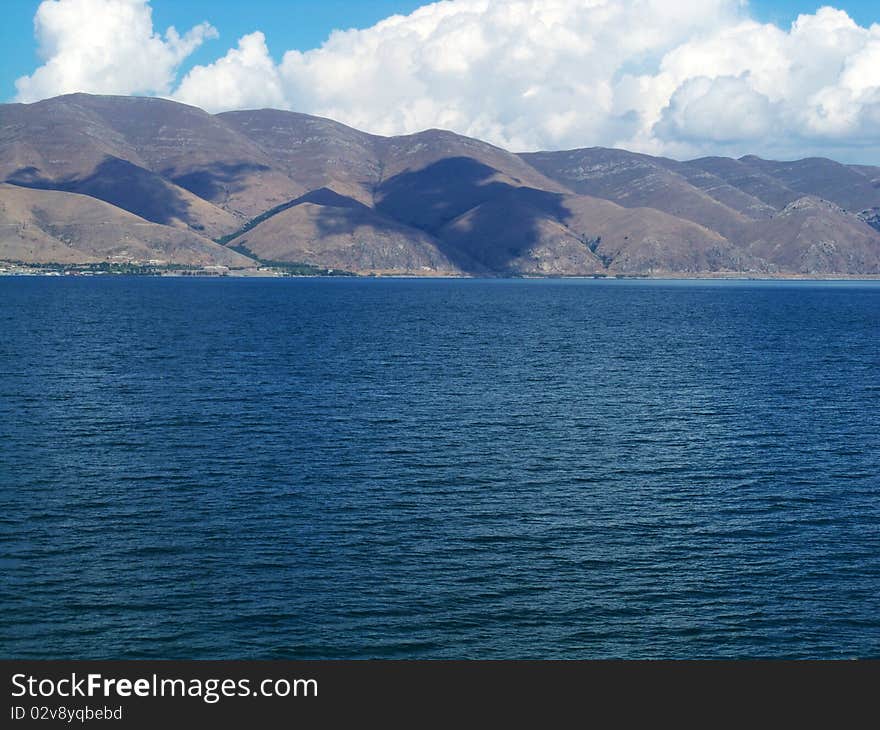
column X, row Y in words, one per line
column 521, row 73
column 812, row 88
column 722, row 110
column 106, row 47
column 680, row 78
column 245, row 78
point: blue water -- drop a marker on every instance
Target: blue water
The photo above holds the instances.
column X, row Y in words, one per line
column 344, row 468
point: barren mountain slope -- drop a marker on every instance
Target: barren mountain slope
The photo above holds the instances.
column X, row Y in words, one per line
column 640, row 181
column 328, row 230
column 310, row 190
column 47, row 226
column 813, row 236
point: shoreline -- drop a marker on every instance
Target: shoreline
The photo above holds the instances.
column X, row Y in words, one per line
column 414, row 277
column 308, row 271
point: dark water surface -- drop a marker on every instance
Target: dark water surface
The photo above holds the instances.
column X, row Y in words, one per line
column 418, row 469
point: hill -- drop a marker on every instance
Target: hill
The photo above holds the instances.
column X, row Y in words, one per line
column 104, row 178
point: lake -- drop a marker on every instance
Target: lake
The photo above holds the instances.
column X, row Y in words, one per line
column 394, row 468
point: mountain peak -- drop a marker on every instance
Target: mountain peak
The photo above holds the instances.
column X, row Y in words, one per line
column 811, row 202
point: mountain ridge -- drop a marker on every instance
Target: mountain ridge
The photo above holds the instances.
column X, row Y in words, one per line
column 179, row 184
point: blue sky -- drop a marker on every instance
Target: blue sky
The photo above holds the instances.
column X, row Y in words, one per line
column 683, row 79
column 863, row 12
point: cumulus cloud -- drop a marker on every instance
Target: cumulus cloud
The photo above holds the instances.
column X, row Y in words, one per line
column 680, row 78
column 813, row 87
column 722, row 110
column 107, row 47
column 521, row 73
column 245, row 78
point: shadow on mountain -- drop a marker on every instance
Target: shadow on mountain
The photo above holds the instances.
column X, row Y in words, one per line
column 328, row 197
column 473, row 215
column 119, row 183
column 215, row 182
column 871, row 217
column 331, row 230
column 321, row 197
column 503, row 232
column 431, row 197
column 339, row 215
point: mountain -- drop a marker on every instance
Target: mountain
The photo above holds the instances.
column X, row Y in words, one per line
column 639, row 181
column 813, row 236
column 99, row 178
column 846, row 187
column 67, row 144
column 543, row 233
column 50, row 226
column 316, row 153
column 343, row 233
column 811, row 217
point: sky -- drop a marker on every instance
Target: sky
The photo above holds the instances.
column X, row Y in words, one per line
column 783, row 79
